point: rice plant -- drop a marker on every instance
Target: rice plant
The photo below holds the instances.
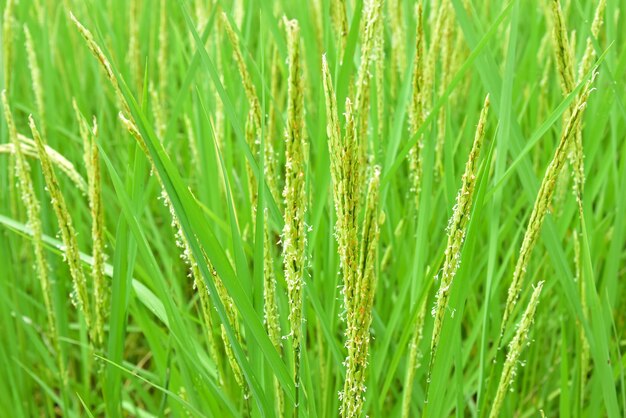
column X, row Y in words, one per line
column 382, row 208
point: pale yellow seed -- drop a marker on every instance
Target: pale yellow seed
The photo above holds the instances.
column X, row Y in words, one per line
column 35, row 74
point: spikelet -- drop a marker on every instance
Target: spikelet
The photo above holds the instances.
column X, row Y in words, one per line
column 564, row 59
column 459, row 55
column 333, row 128
column 198, row 282
column 32, row 211
column 294, row 232
column 338, row 159
column 414, row 358
column 437, row 21
column 205, row 308
column 219, row 105
column 270, row 305
column 104, row 62
column 380, row 80
column 584, row 344
column 349, row 185
column 416, row 118
column 29, row 149
column 417, row 107
column 80, row 295
column 271, row 160
column 157, row 112
column 231, row 314
column 134, row 132
column 368, row 39
column 254, row 119
column 101, row 288
column 590, row 52
column 346, row 176
column 456, row 231
column 398, row 41
column 339, row 19
column 8, row 21
column 577, row 159
column 85, row 135
column 232, row 360
column 193, row 143
column 542, row 203
column 246, row 79
column 357, row 266
column 359, row 318
column 445, row 50
column 369, row 34
column 92, row 162
column 270, row 310
column 35, row 74
column 316, row 19
column 565, row 68
column 515, row 349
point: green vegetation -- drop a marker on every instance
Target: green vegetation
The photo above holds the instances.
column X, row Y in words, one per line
column 384, row 208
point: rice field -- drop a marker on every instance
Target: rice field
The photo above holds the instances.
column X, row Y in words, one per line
column 383, row 208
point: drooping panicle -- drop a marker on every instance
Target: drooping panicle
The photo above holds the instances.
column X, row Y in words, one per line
column 542, row 203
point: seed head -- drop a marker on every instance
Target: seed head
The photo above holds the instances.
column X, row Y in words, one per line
column 542, row 203
column 515, row 349
column 68, row 233
column 457, row 228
